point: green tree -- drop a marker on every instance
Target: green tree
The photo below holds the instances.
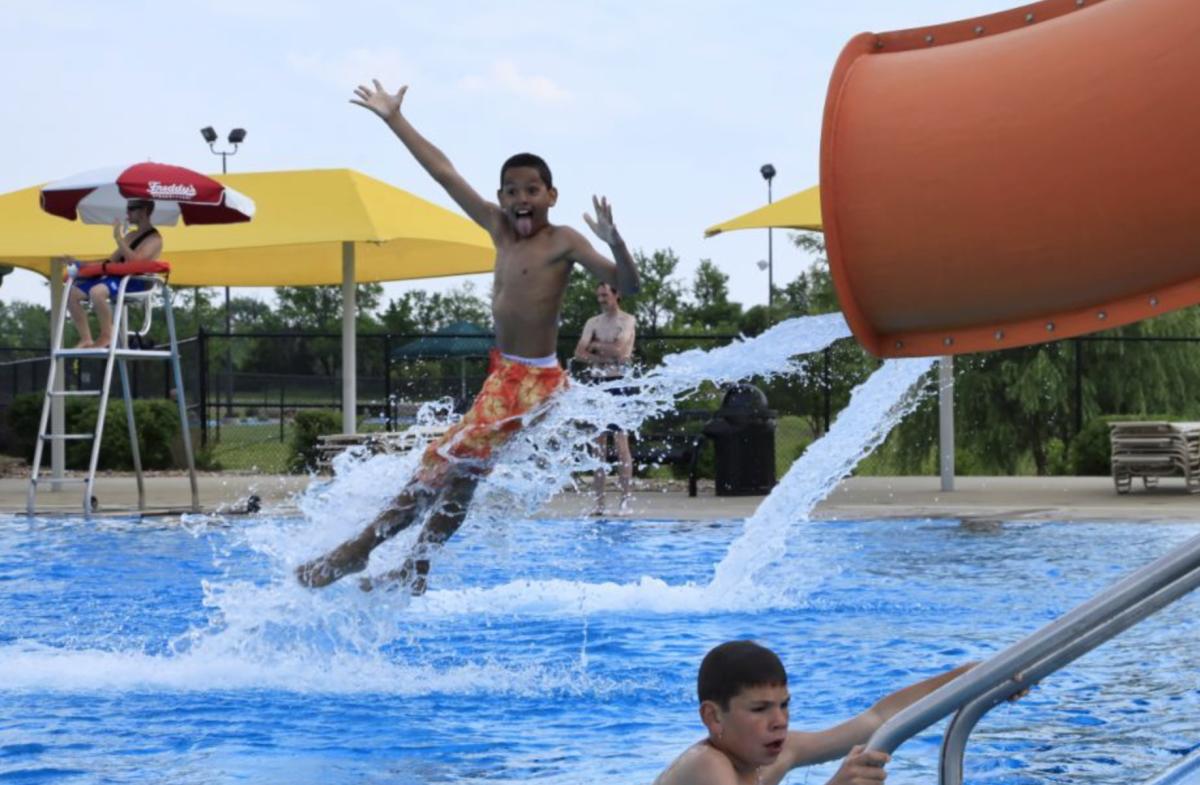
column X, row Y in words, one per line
column 709, row 307
column 25, row 324
column 657, row 303
column 418, row 311
column 319, row 308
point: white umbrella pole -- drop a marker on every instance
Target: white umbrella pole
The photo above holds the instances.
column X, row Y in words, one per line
column 58, row 417
column 349, row 367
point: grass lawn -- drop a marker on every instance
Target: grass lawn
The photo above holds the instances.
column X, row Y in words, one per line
column 256, row 447
column 792, row 436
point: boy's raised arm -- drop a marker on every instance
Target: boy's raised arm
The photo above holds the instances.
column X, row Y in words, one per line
column 387, row 106
column 623, row 276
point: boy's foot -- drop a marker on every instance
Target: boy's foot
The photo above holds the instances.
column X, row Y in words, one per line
column 625, row 508
column 100, row 343
column 85, row 345
column 416, row 581
column 597, row 510
column 343, row 560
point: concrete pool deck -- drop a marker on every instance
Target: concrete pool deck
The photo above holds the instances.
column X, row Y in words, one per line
column 857, row 498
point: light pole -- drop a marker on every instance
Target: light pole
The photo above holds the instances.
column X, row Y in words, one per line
column 768, row 173
column 236, row 137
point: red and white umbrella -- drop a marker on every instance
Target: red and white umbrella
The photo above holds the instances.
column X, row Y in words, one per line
column 100, row 196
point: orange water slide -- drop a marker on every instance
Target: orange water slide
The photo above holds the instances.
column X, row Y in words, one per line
column 1016, row 178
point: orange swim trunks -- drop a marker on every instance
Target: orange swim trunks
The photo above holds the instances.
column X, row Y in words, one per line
column 512, row 395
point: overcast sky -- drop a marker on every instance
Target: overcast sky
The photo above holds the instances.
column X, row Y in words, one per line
column 668, row 108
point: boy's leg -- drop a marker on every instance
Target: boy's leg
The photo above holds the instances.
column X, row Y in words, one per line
column 625, row 469
column 600, row 475
column 79, row 317
column 352, row 555
column 99, row 297
column 448, row 515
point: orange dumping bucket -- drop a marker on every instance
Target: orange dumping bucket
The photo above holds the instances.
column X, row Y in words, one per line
column 1016, row 178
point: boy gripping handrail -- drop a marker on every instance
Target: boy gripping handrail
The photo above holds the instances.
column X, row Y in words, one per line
column 744, row 702
column 533, row 265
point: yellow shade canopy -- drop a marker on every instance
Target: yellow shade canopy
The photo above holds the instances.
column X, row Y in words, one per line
column 304, row 219
column 798, row 211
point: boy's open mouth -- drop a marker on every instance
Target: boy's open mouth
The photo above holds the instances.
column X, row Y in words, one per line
column 523, row 221
column 775, row 747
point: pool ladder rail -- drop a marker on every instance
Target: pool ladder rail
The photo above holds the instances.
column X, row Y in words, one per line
column 118, row 354
column 1027, row 662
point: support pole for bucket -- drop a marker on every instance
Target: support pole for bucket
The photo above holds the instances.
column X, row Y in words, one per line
column 946, row 421
column 349, row 367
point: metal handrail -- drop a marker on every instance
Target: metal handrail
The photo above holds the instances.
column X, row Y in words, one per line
column 1115, row 609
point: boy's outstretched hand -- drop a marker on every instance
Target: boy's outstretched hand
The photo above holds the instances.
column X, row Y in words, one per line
column 379, row 100
column 603, row 223
column 862, row 767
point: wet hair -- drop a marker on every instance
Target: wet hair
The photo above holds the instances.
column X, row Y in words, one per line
column 533, row 162
column 737, row 665
column 141, row 204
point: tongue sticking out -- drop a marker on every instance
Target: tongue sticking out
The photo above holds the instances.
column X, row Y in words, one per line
column 524, row 225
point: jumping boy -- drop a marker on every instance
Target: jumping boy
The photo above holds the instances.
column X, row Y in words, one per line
column 533, row 264
column 744, row 705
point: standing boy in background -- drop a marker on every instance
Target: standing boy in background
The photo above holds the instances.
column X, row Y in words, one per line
column 606, row 345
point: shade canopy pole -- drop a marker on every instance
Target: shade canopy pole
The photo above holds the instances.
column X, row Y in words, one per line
column 349, row 367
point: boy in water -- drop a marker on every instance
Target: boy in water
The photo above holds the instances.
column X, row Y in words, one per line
column 744, row 705
column 533, row 264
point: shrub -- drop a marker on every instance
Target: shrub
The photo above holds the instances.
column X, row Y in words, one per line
column 157, row 430
column 23, row 415
column 1057, row 463
column 308, row 425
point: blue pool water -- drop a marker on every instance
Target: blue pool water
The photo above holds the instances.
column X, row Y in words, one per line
column 559, row 651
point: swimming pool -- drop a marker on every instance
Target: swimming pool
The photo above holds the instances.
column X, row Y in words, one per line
column 552, row 651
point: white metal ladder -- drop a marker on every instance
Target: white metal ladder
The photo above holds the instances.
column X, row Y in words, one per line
column 118, row 354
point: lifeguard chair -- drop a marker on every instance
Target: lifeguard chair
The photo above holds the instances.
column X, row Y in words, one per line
column 118, row 354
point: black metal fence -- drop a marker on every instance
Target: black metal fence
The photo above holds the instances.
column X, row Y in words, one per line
column 244, row 390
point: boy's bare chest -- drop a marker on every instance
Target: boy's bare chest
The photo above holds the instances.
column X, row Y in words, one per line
column 530, row 264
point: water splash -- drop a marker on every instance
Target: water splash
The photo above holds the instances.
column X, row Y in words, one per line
column 551, row 453
column 269, row 631
column 876, row 406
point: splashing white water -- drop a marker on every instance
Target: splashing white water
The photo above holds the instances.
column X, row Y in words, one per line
column 549, row 454
column 282, row 635
column 876, row 406
column 547, row 457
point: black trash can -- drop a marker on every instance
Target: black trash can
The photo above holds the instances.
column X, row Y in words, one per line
column 743, row 434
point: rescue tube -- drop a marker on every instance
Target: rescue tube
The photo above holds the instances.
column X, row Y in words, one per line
column 1015, row 178
column 135, row 267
